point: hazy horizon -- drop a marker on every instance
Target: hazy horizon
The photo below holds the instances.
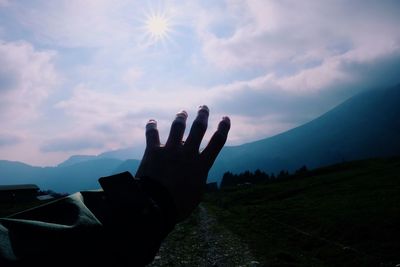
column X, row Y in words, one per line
column 83, row 77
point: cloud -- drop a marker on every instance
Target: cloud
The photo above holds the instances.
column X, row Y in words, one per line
column 250, row 128
column 69, row 144
column 132, row 75
column 27, row 77
column 4, row 3
column 120, row 116
column 381, row 72
column 73, row 23
column 9, row 139
column 285, row 36
column 261, row 108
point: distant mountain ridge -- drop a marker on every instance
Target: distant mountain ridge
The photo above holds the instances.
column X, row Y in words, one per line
column 75, row 174
column 76, row 159
column 133, row 152
column 366, row 125
column 64, row 179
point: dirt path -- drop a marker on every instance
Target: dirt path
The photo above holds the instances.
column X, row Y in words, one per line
column 201, row 241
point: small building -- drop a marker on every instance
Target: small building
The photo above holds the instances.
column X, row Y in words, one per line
column 18, row 193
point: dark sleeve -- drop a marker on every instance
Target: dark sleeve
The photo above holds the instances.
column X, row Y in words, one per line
column 123, row 224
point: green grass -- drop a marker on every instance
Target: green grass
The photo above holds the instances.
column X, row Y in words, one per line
column 343, row 215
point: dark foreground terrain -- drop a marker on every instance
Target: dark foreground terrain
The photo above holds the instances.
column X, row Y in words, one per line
column 342, row 215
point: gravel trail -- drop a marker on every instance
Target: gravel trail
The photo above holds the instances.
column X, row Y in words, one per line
column 201, row 241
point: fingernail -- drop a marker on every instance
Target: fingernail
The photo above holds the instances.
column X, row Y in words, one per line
column 181, row 116
column 226, row 119
column 204, row 108
column 224, row 125
column 203, row 114
column 151, row 124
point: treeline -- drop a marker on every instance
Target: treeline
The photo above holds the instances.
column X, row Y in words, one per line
column 258, row 176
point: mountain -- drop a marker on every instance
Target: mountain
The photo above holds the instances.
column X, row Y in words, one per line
column 80, row 176
column 63, row 179
column 13, row 172
column 76, row 159
column 134, row 152
column 121, row 154
column 366, row 125
column 130, row 165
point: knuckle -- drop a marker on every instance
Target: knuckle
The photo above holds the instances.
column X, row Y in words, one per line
column 152, row 133
column 223, row 128
column 200, row 125
column 220, row 138
column 178, row 122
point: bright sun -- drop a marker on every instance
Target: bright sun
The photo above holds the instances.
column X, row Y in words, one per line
column 158, row 27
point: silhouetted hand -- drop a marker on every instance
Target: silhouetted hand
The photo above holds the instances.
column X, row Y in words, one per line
column 179, row 165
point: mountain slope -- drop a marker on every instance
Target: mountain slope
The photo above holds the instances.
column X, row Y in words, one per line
column 68, row 179
column 13, row 172
column 130, row 165
column 366, row 125
column 80, row 176
column 133, row 152
column 76, row 159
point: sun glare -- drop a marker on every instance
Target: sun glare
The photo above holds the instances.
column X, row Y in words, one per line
column 158, row 27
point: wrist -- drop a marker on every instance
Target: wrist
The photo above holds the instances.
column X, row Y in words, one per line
column 162, row 198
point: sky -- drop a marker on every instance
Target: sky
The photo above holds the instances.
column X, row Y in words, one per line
column 80, row 77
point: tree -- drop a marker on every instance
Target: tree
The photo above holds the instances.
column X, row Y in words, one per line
column 302, row 171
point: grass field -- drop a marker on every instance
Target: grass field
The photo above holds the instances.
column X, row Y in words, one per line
column 342, row 215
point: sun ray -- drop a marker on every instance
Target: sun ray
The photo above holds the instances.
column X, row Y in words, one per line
column 157, row 27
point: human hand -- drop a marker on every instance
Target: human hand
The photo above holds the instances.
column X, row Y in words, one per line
column 179, row 166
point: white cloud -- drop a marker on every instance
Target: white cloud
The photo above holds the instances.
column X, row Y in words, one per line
column 131, row 76
column 27, row 77
column 248, row 128
column 72, row 23
column 272, row 34
column 4, row 3
column 314, row 79
column 117, row 118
